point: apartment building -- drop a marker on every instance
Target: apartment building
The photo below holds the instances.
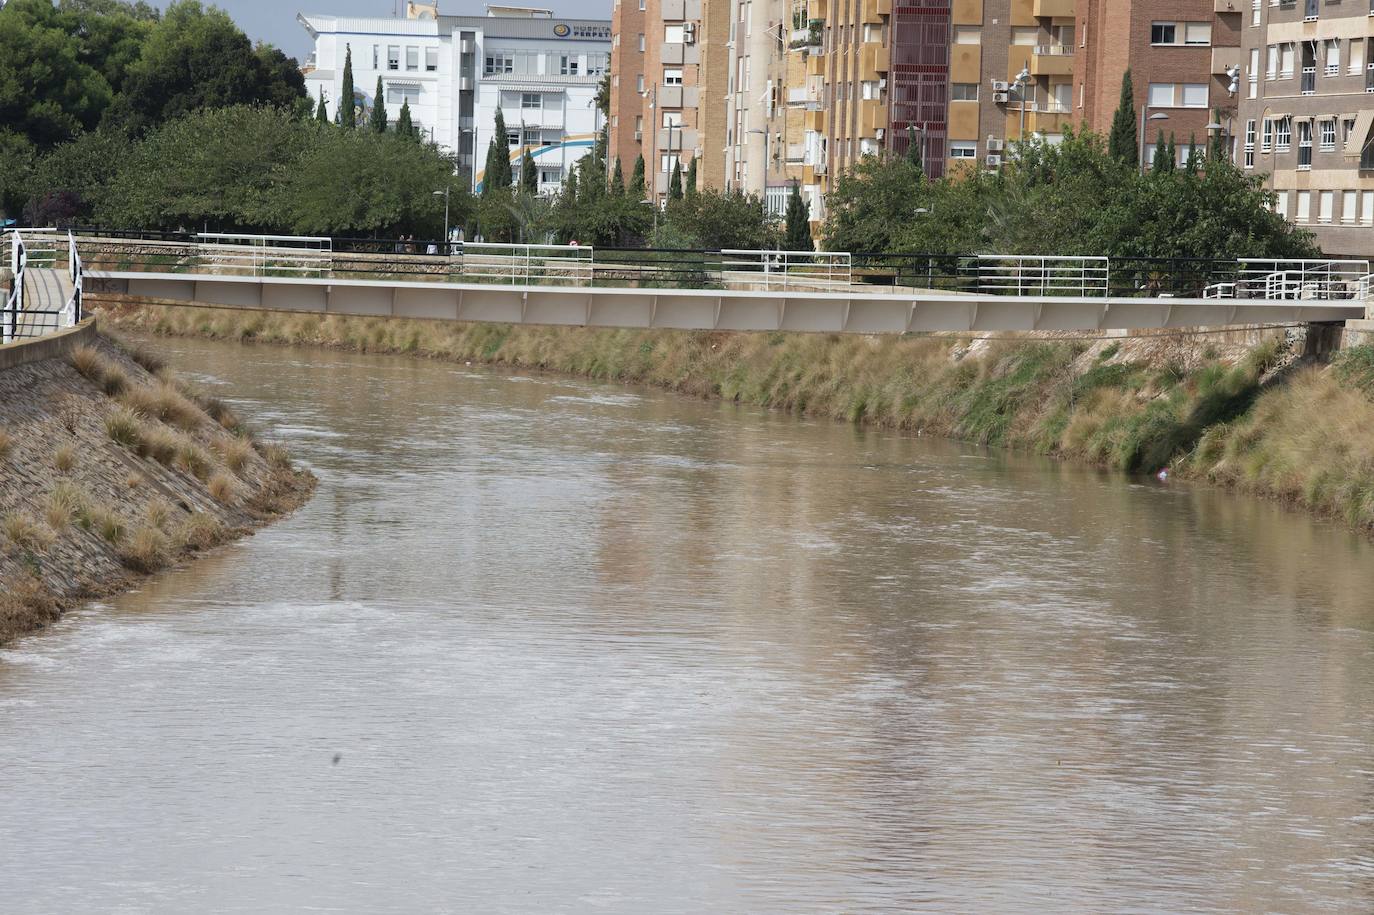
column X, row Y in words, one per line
column 456, row 71
column 1182, row 55
column 1306, row 110
column 668, row 87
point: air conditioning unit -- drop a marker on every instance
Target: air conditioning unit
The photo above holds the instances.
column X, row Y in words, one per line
column 999, row 86
column 879, row 134
column 995, row 144
column 689, row 32
column 882, row 83
column 639, row 135
column 1001, row 98
column 994, row 160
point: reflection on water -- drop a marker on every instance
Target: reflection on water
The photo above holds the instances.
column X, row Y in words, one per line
column 584, row 648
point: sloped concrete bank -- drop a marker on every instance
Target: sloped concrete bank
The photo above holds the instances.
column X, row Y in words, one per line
column 1272, row 412
column 110, row 470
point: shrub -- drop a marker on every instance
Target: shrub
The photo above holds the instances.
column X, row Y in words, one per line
column 192, row 458
column 221, row 413
column 199, row 532
column 277, row 457
column 25, row 603
column 165, row 402
column 158, row 513
column 108, row 524
column 123, row 428
column 146, row 549
column 26, row 533
column 161, row 444
column 64, row 458
column 224, row 489
column 152, row 363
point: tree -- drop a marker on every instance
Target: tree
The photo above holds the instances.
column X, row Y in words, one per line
column 1194, row 160
column 529, row 175
column 80, row 173
column 675, row 182
column 715, row 219
column 16, row 161
column 692, row 176
column 405, row 127
column 498, row 170
column 198, row 58
column 350, row 114
column 1163, row 161
column 321, row 114
column 1123, row 144
column 377, row 119
column 797, row 234
column 913, row 150
column 48, row 94
column 637, row 189
column 617, row 180
column 871, row 203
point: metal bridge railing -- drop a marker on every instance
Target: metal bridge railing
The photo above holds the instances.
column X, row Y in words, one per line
column 41, row 250
column 786, row 271
column 1077, row 277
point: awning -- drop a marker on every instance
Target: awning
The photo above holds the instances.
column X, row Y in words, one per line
column 1359, row 137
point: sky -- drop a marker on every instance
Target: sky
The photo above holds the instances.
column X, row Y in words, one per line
column 275, row 22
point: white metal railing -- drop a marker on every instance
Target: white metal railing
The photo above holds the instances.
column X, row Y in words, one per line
column 71, row 312
column 41, row 249
column 1053, row 50
column 800, row 271
column 1220, row 291
column 1271, row 278
column 524, row 264
column 266, row 255
column 14, row 302
column 1079, row 277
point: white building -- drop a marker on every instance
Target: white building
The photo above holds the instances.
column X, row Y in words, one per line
column 455, row 70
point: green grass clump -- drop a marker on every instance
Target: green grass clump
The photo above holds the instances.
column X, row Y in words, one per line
column 124, row 428
column 24, row 532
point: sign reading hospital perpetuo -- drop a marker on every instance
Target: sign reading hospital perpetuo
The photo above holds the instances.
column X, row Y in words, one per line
column 601, row 32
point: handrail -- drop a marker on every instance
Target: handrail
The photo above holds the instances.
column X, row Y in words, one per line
column 72, row 310
column 14, row 303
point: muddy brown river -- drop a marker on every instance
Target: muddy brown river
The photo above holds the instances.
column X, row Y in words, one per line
column 543, row 645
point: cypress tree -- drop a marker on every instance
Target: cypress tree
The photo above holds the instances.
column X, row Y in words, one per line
column 1162, row 164
column 1191, row 166
column 1123, row 143
column 504, row 174
column 377, row 120
column 692, row 177
column 675, row 182
column 617, row 180
column 637, row 179
column 321, row 113
column 347, row 116
column 1173, row 153
column 913, row 150
column 529, row 175
column 797, row 236
column 404, row 126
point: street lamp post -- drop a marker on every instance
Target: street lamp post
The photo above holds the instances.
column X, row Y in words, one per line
column 1157, row 116
column 1020, row 82
column 444, row 194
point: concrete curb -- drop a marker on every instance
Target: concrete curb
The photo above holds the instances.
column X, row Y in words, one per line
column 58, row 343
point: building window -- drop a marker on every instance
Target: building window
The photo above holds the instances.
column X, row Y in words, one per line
column 1163, row 33
column 1283, row 134
column 412, row 58
column 530, row 136
column 666, row 163
column 1350, row 202
column 1333, row 57
column 963, row 149
column 639, row 84
column 1287, row 57
column 393, row 57
column 1025, row 36
column 1249, row 144
column 1304, row 145
column 1304, row 213
column 531, row 101
column 964, row 92
column 596, row 64
column 1197, row 33
column 672, row 77
column 400, row 95
column 1194, row 95
column 1281, row 203
column 567, row 65
column 672, row 119
column 513, row 138
column 1255, row 7
column 1253, row 74
column 499, row 63
column 1161, row 95
column 672, row 34
column 1327, row 131
column 1267, row 137
column 376, row 56
column 431, row 59
column 1326, row 205
column 1356, row 56
column 641, row 42
column 968, row 34
column 1367, row 207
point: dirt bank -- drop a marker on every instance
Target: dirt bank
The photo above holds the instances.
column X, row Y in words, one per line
column 110, row 469
column 1244, row 409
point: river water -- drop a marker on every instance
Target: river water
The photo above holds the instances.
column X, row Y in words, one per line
column 544, row 645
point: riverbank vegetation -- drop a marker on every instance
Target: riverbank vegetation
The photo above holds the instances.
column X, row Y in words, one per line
column 1246, row 415
column 113, row 468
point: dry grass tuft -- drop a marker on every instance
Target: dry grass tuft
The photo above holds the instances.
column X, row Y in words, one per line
column 146, row 550
column 152, row 363
column 107, row 523
column 161, row 444
column 64, row 458
column 5, row 444
column 24, row 532
column 124, row 428
column 192, row 458
column 114, row 382
column 224, row 489
column 26, row 604
column 277, row 457
column 158, row 513
column 221, row 413
column 200, row 532
column 235, row 452
column 66, row 503
column 88, row 361
column 163, row 401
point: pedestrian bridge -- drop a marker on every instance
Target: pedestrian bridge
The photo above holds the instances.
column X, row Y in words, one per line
column 817, row 292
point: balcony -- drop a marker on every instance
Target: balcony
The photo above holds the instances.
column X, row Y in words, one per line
column 1052, row 60
column 873, row 11
column 872, row 117
column 1061, row 8
column 874, row 59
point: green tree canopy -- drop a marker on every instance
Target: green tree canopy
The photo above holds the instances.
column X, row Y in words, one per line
column 718, row 219
column 48, row 92
column 1123, row 143
column 405, row 127
column 797, row 231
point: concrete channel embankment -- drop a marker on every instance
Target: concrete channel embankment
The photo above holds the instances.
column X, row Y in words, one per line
column 111, row 469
